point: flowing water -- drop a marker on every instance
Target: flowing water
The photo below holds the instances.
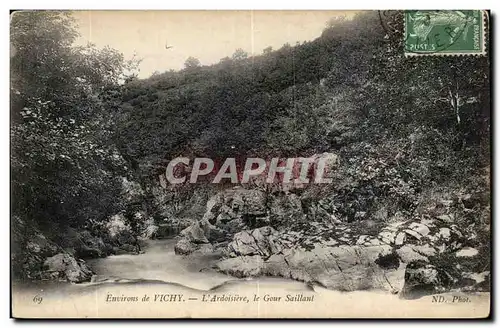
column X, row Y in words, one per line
column 160, row 263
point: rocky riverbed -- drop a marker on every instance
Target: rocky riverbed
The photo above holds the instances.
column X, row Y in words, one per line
column 412, row 258
column 159, row 271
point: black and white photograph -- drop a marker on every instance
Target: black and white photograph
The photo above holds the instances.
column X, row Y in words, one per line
column 250, row 164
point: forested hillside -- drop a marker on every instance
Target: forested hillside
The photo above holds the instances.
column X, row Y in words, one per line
column 412, row 134
column 402, row 125
column 273, row 103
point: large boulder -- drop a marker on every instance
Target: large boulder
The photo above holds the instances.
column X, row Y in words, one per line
column 228, row 223
column 195, row 234
column 202, row 232
column 262, row 241
column 185, row 247
column 63, row 266
column 265, row 251
column 410, row 253
column 212, row 232
column 344, row 268
column 194, row 238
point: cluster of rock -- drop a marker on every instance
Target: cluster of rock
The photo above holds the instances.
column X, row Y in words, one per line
column 40, row 258
column 65, row 267
column 233, row 211
column 416, row 258
column 412, row 257
column 264, row 251
column 237, row 209
column 441, row 256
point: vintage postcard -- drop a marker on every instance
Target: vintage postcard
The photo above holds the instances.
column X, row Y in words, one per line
column 250, row 164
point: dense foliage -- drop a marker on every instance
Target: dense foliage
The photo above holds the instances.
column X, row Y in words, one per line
column 64, row 166
column 403, row 125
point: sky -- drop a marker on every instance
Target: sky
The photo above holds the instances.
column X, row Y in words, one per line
column 206, row 35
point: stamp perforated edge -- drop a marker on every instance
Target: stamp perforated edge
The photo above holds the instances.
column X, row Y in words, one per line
column 484, row 22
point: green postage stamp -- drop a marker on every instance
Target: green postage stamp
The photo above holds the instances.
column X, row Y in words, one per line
column 445, row 32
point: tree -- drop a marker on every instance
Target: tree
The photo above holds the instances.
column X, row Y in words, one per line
column 64, row 165
column 191, row 63
column 267, row 50
column 336, row 22
column 240, row 54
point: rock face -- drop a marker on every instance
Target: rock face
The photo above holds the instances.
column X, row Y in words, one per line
column 283, row 234
column 261, row 241
column 260, row 251
column 416, row 257
column 243, row 266
column 227, row 213
column 63, row 266
column 235, row 210
column 344, row 268
column 82, row 244
column 194, row 234
column 41, row 245
column 197, row 237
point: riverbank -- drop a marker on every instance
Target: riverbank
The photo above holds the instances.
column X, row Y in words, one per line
column 159, row 273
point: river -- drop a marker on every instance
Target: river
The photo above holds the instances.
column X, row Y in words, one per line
column 159, row 262
column 159, row 271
